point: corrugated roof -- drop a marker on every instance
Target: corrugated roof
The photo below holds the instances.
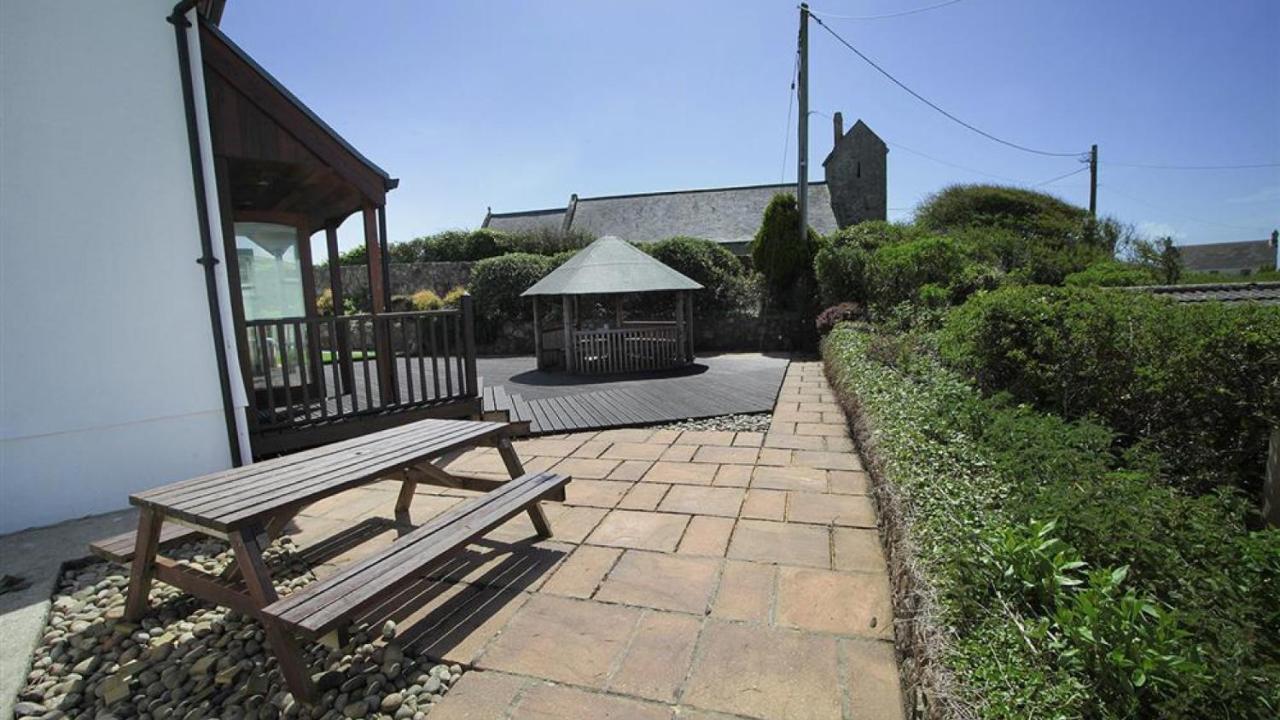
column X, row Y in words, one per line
column 1267, row 293
column 610, row 265
column 723, row 215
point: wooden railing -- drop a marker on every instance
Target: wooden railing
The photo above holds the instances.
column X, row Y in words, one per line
column 637, row 346
column 316, row 369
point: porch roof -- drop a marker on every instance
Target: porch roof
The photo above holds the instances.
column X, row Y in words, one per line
column 611, row 265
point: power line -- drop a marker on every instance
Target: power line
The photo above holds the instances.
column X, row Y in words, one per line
column 1193, row 167
column 957, row 166
column 889, row 15
column 1050, row 181
column 933, row 105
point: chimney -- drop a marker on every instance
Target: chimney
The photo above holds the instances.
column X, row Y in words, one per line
column 837, row 120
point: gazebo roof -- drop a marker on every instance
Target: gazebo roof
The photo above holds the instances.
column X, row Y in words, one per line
column 610, row 265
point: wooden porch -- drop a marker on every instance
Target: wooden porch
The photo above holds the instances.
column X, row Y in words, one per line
column 285, row 177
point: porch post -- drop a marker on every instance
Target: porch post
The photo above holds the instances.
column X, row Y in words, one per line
column 341, row 342
column 566, row 312
column 377, row 287
column 537, row 334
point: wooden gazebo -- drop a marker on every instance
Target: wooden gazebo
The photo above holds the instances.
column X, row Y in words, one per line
column 597, row 289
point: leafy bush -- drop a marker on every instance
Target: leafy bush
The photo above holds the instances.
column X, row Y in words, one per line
column 429, row 300
column 1201, row 382
column 844, row 312
column 496, row 284
column 899, row 271
column 1024, row 212
column 727, row 287
column 841, row 264
column 324, row 304
column 778, row 251
column 472, row 245
column 1111, row 274
column 1139, row 601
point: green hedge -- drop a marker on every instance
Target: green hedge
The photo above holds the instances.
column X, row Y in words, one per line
column 473, row 245
column 727, row 286
column 1201, row 382
column 1068, row 578
column 496, row 284
column 1112, row 274
column 843, row 263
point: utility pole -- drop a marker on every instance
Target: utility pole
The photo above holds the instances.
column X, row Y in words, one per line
column 1093, row 182
column 802, row 145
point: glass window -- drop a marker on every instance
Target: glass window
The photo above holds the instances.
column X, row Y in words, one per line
column 270, row 272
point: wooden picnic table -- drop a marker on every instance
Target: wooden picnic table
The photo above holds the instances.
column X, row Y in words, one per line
column 249, row 506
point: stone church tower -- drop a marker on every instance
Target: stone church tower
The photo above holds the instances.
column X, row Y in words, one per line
column 856, row 174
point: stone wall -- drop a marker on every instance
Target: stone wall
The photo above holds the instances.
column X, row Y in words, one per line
column 406, row 278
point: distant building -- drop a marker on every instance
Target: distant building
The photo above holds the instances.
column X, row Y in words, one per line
column 856, row 174
column 1247, row 256
column 855, row 190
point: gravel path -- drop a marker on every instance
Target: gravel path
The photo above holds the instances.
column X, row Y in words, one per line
column 189, row 660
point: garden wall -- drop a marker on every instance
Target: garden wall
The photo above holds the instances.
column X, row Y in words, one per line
column 405, row 278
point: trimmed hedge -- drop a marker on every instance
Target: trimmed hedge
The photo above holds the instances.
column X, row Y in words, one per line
column 1055, row 575
column 843, row 263
column 727, row 286
column 1201, row 382
column 496, row 284
column 1112, row 274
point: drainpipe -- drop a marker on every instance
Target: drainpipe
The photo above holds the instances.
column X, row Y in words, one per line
column 234, row 399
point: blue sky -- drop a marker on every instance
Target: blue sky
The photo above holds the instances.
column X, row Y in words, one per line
column 515, row 105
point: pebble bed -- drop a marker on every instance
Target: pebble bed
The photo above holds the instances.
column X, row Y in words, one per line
column 189, row 660
column 755, row 422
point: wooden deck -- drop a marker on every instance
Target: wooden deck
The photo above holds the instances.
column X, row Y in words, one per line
column 629, row 402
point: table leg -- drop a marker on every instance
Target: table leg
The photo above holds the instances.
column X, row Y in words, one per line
column 248, row 549
column 515, row 469
column 405, row 499
column 144, row 558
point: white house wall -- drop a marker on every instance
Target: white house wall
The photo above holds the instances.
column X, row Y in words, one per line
column 108, row 375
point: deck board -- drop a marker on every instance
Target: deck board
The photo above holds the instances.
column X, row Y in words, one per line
column 644, row 402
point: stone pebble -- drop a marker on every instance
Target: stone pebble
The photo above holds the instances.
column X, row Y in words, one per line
column 188, row 660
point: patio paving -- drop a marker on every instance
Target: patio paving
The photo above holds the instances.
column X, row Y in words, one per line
column 705, row 575
column 692, row 575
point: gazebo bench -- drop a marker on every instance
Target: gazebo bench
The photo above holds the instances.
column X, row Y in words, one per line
column 324, row 609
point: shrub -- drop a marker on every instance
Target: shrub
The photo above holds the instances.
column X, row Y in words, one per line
column 898, row 271
column 1201, row 382
column 778, row 251
column 1025, row 212
column 324, row 304
column 844, row 312
column 426, row 300
column 1111, row 274
column 841, row 264
column 1139, row 601
column 726, row 285
column 496, row 284
column 473, row 245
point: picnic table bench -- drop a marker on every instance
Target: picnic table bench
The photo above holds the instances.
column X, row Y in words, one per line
column 249, row 506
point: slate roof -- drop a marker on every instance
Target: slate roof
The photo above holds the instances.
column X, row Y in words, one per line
column 611, row 265
column 1267, row 293
column 1244, row 255
column 729, row 215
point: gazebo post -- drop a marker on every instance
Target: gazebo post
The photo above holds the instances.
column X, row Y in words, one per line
column 617, row 308
column 680, row 341
column 537, row 334
column 688, row 322
column 567, row 312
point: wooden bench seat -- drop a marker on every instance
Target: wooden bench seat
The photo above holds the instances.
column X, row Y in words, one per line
column 330, row 604
column 120, row 548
